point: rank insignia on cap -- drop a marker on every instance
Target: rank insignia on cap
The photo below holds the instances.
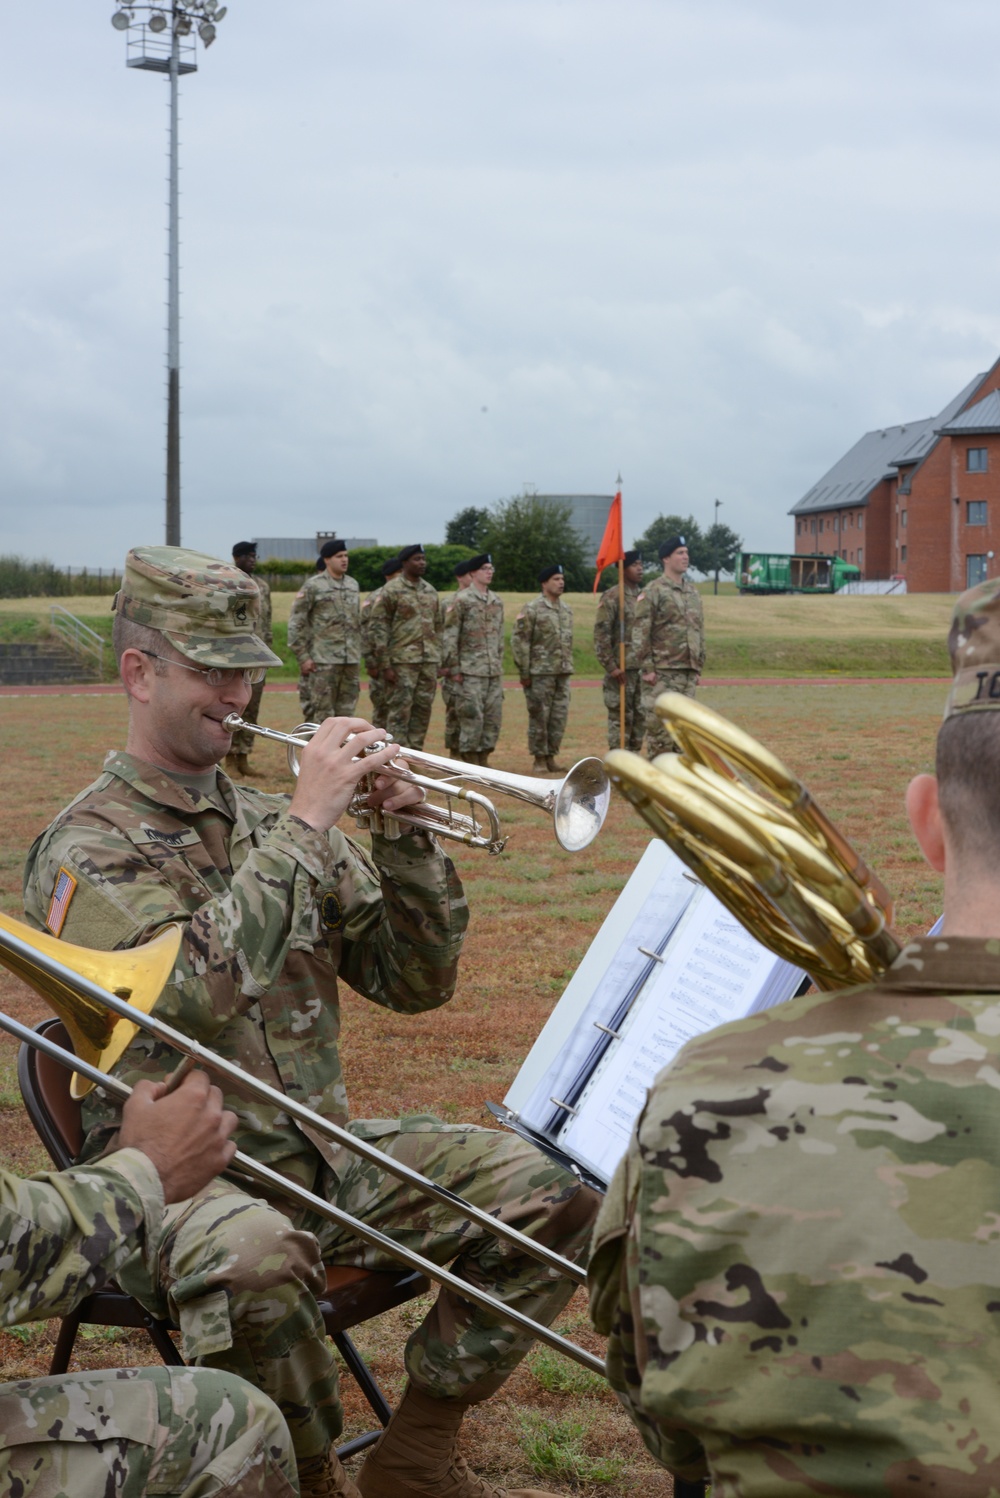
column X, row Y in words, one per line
column 59, row 904
column 331, row 912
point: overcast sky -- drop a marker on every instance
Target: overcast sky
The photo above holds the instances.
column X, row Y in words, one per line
column 434, row 251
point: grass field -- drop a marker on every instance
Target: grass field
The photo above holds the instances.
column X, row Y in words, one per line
column 534, row 911
column 782, row 635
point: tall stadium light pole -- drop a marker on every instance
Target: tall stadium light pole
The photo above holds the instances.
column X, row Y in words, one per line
column 163, row 42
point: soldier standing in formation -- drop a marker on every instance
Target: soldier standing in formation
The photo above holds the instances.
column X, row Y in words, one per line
column 406, row 640
column 275, row 902
column 451, row 731
column 238, row 759
column 389, row 569
column 186, row 1432
column 606, row 642
column 669, row 638
column 542, row 643
column 797, row 1257
column 305, row 682
column 324, row 632
column 472, row 657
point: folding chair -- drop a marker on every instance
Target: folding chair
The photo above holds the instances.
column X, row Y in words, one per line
column 352, row 1296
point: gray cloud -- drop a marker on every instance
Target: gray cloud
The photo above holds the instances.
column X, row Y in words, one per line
column 707, row 245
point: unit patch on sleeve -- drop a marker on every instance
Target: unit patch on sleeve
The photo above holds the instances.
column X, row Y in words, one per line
column 64, row 891
column 331, row 911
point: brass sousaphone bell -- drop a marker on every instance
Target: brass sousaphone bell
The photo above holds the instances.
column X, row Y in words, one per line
column 751, row 832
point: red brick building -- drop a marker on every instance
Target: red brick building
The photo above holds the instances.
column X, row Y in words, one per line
column 920, row 501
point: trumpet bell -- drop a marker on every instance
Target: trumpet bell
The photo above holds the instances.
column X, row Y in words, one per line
column 580, row 804
column 137, row 975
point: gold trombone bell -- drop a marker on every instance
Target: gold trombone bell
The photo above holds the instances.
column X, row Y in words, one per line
column 137, row 975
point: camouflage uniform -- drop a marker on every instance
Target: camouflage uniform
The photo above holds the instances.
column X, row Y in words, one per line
column 606, row 649
column 405, row 634
column 243, row 739
column 668, row 638
column 325, row 627
column 273, row 911
column 797, row 1258
column 472, row 645
column 542, row 643
column 180, row 1431
column 368, row 656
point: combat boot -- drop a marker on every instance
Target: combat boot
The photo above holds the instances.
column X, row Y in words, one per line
column 416, row 1456
column 541, row 765
column 324, row 1477
column 551, row 763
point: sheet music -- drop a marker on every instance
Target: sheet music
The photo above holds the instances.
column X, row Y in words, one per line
column 668, row 899
column 716, row 972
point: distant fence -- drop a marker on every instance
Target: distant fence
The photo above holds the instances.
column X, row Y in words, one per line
column 23, row 579
column 876, row 585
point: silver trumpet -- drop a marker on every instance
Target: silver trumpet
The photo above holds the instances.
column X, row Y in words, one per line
column 578, row 803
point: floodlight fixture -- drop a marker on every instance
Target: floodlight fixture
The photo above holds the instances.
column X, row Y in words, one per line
column 221, row 12
column 157, row 21
column 182, row 25
column 207, row 33
column 120, row 20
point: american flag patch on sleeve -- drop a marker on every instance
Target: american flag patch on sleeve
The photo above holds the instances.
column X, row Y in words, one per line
column 59, row 904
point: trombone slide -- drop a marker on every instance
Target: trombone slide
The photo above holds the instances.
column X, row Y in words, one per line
column 265, row 1176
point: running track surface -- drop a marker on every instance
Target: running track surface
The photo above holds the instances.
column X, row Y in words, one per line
column 111, row 689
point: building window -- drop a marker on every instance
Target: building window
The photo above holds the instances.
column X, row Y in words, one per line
column 975, row 512
column 902, row 554
column 861, row 555
column 902, row 519
column 905, row 480
column 975, row 460
column 861, row 521
column 975, row 569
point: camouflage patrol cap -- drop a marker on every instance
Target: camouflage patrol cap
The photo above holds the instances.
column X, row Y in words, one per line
column 974, row 647
column 207, row 609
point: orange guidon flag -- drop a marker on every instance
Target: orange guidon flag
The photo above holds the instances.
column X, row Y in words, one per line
column 610, row 549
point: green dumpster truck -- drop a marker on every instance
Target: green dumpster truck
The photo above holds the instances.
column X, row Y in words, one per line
column 788, row 572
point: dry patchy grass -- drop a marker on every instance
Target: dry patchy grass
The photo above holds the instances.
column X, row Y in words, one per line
column 534, row 911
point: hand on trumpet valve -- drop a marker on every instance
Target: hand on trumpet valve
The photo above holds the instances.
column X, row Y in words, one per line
column 390, row 794
column 339, row 754
column 184, row 1131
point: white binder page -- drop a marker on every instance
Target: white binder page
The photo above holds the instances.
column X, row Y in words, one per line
column 713, row 973
column 665, row 902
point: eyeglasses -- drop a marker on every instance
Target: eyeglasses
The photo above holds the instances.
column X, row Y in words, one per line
column 216, row 676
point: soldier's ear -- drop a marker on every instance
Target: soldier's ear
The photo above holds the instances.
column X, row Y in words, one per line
column 923, row 808
column 135, row 670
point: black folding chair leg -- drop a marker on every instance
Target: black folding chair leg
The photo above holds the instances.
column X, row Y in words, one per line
column 684, row 1489
column 163, row 1342
column 368, row 1384
column 65, row 1343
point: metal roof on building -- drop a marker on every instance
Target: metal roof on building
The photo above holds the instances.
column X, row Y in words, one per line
column 301, row 548
column 588, row 515
column 877, row 456
column 984, row 416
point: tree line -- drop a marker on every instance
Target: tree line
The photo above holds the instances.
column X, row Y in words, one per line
column 527, row 533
